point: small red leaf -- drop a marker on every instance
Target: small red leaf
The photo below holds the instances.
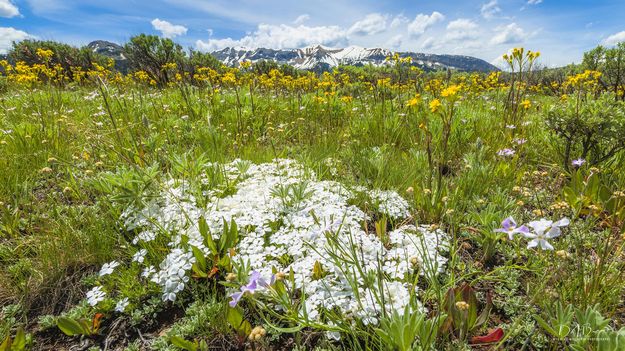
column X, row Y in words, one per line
column 491, row 337
column 97, row 320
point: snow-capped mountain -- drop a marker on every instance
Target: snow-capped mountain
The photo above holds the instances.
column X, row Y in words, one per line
column 321, row 58
column 108, row 49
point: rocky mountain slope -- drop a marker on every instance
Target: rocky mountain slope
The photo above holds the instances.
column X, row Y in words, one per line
column 111, row 50
column 323, row 58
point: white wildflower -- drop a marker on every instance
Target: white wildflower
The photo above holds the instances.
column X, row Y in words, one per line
column 95, row 296
column 108, row 268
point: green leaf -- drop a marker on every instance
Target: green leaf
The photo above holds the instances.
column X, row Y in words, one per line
column 546, row 326
column 19, row 342
column 69, row 326
column 291, row 330
column 229, row 236
column 245, row 329
column 200, row 260
column 87, row 327
column 234, row 317
column 6, row 344
column 208, row 238
column 182, row 343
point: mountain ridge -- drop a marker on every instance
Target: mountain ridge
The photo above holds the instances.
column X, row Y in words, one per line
column 318, row 57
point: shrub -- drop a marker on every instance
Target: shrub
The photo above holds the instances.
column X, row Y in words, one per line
column 150, row 54
column 593, row 131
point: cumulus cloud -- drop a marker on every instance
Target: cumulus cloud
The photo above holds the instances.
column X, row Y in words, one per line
column 614, row 39
column 281, row 37
column 428, row 43
column 8, row 35
column 7, row 9
column 509, row 34
column 396, row 41
column 167, row 29
column 490, row 9
column 301, row 19
column 461, row 29
column 373, row 23
column 399, row 21
column 422, row 22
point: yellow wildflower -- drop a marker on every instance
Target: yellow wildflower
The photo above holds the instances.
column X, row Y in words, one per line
column 435, row 105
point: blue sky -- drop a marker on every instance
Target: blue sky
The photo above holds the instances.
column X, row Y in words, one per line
column 561, row 30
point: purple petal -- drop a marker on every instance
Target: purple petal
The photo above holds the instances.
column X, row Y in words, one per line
column 255, row 275
column 236, row 297
column 251, row 286
column 508, row 223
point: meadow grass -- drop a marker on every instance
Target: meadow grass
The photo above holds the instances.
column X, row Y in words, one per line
column 75, row 157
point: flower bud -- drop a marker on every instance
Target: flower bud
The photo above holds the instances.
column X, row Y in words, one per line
column 462, row 306
column 562, row 254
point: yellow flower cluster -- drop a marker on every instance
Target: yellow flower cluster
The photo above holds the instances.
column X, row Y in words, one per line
column 435, row 105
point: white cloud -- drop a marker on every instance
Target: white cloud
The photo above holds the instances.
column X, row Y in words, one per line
column 462, row 24
column 281, row 37
column 373, row 23
column 534, row 2
column 398, row 21
column 8, row 35
column 500, row 62
column 428, row 43
column 167, row 29
column 509, row 34
column 422, row 22
column 301, row 19
column 7, row 9
column 490, row 9
column 396, row 41
column 461, row 29
column 614, row 39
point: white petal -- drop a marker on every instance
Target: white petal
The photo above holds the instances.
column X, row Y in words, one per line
column 544, row 244
column 529, row 235
column 562, row 223
column 554, row 232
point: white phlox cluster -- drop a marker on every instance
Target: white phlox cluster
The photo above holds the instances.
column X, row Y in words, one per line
column 293, row 230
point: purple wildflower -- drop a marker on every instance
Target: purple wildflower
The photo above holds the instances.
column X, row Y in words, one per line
column 509, row 226
column 520, row 141
column 505, row 152
column 579, row 162
column 255, row 282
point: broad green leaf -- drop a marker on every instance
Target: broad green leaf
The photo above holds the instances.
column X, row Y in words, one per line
column 69, row 326
column 182, row 343
column 200, row 260
column 234, row 317
column 19, row 342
